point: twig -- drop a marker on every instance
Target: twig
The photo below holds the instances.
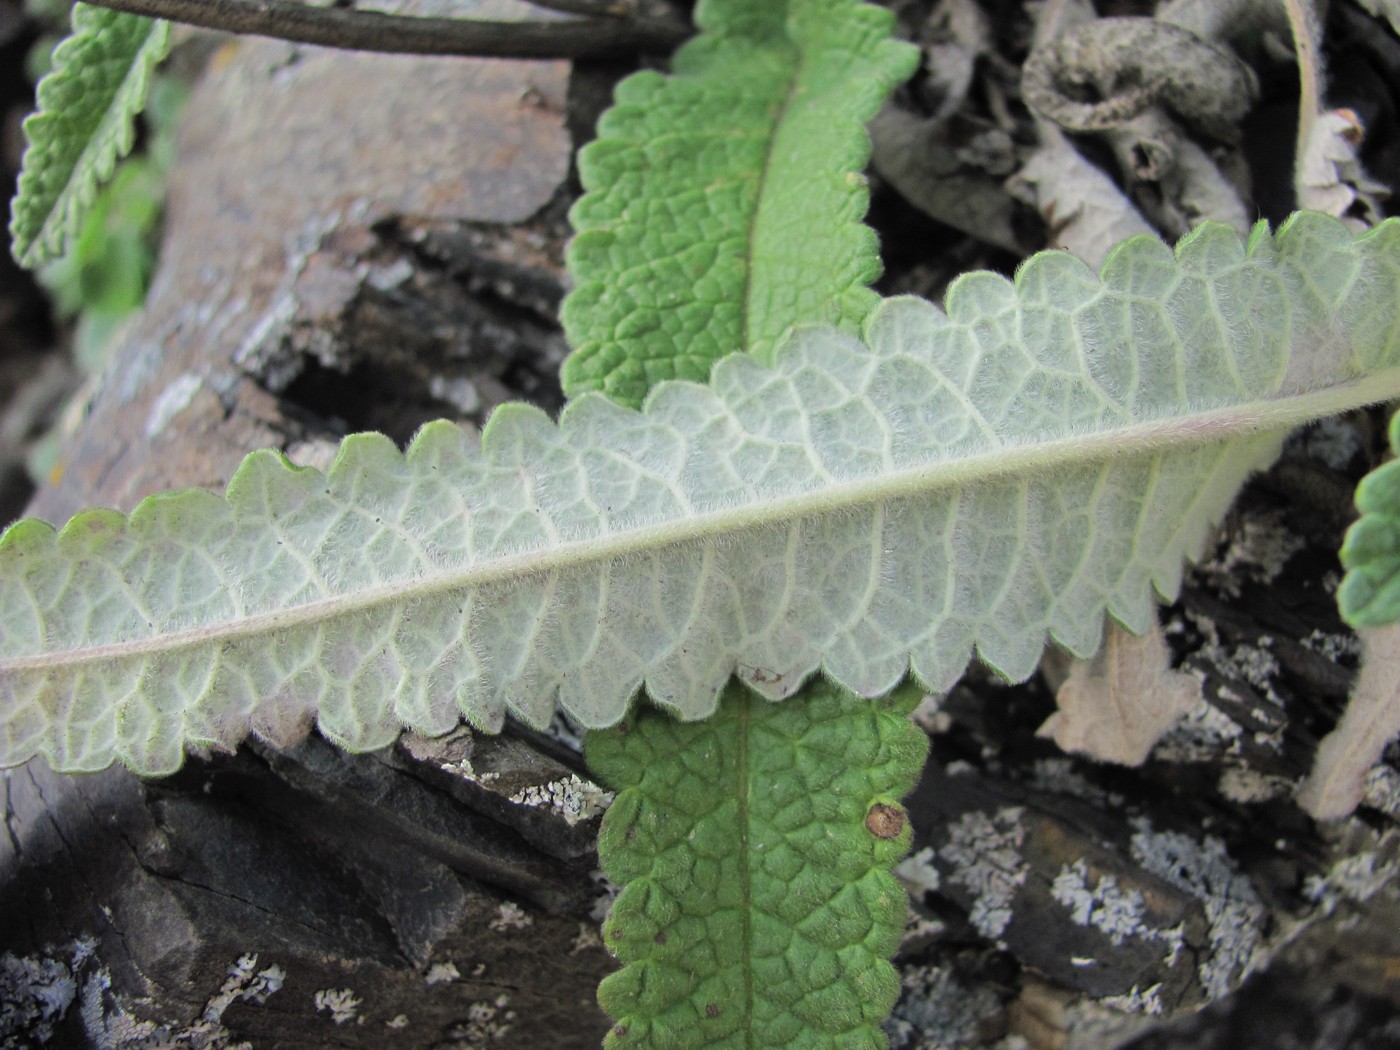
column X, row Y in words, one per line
column 1302, row 18
column 598, row 8
column 399, row 34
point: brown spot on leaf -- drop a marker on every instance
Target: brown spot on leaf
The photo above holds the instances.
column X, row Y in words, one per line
column 660, row 937
column 711, row 1010
column 885, row 822
column 760, row 675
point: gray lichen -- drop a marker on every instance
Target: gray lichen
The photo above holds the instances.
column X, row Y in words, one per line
column 36, row 993
column 341, row 1003
column 510, row 916
column 937, row 1012
column 572, row 798
column 1118, row 913
column 1234, row 913
column 1358, row 876
column 985, row 853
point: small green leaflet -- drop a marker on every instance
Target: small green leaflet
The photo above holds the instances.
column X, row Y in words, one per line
column 1370, row 593
column 88, row 106
column 754, row 851
column 724, row 200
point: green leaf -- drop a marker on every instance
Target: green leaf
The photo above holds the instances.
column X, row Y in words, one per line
column 1370, row 592
column 1047, row 452
column 86, row 120
column 755, row 849
column 724, row 201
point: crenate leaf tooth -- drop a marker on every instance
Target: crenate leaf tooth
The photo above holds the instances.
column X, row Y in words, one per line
column 1369, row 595
column 1051, row 452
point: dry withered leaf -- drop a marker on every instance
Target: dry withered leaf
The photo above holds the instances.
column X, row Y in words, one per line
column 1116, row 706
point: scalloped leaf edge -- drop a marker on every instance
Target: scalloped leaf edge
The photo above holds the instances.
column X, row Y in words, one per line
column 553, row 519
column 64, row 164
column 1369, row 595
column 744, row 889
column 663, row 254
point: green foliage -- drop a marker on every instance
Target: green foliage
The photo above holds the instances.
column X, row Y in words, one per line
column 754, row 850
column 103, row 276
column 723, row 207
column 88, row 104
column 1370, row 593
column 1046, row 452
column 724, row 201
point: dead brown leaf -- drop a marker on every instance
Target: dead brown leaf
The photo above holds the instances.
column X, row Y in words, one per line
column 1116, row 706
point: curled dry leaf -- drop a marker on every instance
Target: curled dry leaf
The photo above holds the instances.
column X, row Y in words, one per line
column 1086, row 212
column 915, row 156
column 1132, row 64
column 1331, row 178
column 1116, row 706
column 1390, row 9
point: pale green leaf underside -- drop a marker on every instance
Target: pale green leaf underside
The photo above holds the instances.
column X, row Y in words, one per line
column 86, row 121
column 757, row 905
column 724, row 201
column 1043, row 454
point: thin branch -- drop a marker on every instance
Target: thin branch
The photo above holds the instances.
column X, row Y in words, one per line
column 1302, row 19
column 399, row 34
column 598, row 8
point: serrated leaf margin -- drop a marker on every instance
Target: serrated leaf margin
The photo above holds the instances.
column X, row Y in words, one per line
column 664, row 258
column 592, row 530
column 67, row 158
column 755, row 852
column 1369, row 595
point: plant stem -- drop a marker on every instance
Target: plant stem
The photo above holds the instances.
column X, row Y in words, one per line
column 401, row 34
column 1302, row 19
column 597, row 8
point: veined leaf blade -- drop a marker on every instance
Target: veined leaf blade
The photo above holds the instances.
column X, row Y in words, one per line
column 724, row 201
column 88, row 105
column 1044, row 454
column 754, row 852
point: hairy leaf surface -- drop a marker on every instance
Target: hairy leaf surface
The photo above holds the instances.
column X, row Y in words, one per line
column 1044, row 453
column 1370, row 592
column 754, row 850
column 86, row 121
column 724, row 201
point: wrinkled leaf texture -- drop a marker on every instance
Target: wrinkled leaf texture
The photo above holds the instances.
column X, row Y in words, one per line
column 755, row 849
column 1370, row 592
column 1044, row 453
column 88, row 104
column 756, row 908
column 724, row 201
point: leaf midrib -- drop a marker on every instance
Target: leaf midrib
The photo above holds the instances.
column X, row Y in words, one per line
column 746, row 891
column 746, row 304
column 1175, row 431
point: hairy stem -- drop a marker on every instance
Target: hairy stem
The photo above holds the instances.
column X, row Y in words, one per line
column 400, row 34
column 1302, row 19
